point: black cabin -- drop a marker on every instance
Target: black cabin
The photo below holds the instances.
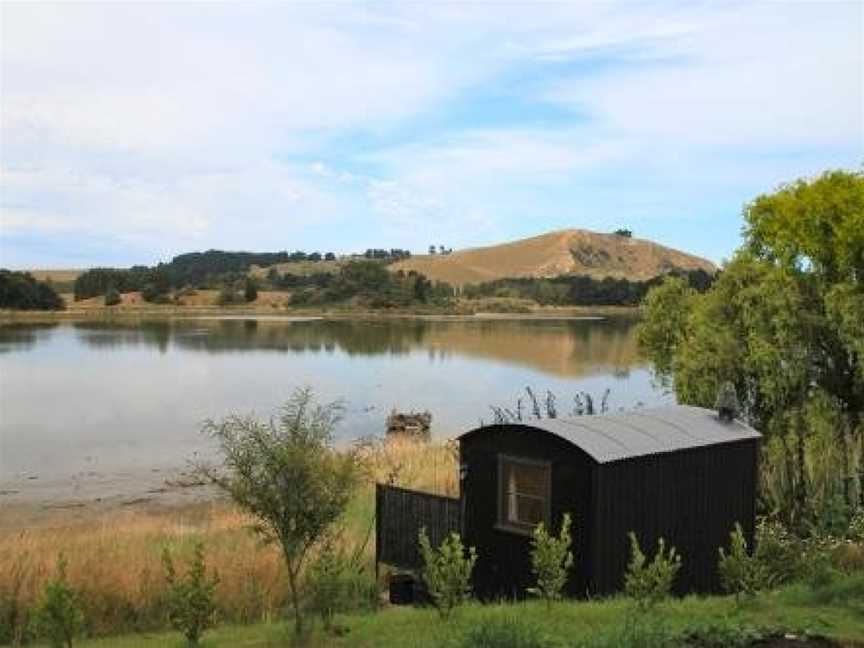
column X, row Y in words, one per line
column 676, row 472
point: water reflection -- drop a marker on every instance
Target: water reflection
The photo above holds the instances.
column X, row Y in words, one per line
column 562, row 347
column 109, row 396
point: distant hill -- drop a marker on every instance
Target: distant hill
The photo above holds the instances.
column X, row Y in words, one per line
column 571, row 251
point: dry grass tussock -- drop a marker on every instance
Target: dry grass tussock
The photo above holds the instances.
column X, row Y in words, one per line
column 114, row 560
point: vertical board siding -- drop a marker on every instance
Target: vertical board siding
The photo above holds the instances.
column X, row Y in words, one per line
column 691, row 498
column 503, row 568
column 401, row 513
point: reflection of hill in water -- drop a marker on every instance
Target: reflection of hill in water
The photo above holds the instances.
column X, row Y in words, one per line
column 563, row 347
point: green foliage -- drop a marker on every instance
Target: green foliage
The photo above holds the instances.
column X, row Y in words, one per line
column 623, row 231
column 286, row 474
column 778, row 552
column 647, row 584
column 112, row 296
column 784, row 323
column 369, row 283
column 582, row 290
column 20, row 291
column 337, row 581
column 551, row 559
column 250, row 291
column 228, row 295
column 191, row 607
column 740, row 572
column 58, row 617
column 641, row 632
column 447, row 572
column 505, row 632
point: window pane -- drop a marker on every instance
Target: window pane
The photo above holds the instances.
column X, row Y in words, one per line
column 524, row 493
column 531, row 510
column 530, row 480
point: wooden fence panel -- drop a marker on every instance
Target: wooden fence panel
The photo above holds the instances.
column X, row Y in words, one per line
column 401, row 513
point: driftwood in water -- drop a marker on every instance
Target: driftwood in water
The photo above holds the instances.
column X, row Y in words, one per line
column 415, row 425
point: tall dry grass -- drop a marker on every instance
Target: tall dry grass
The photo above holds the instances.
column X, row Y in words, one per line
column 114, row 559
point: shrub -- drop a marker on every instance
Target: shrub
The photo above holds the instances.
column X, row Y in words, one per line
column 741, row 573
column 191, row 608
column 855, row 532
column 228, row 295
column 250, row 293
column 112, row 297
column 338, row 582
column 58, row 616
column 551, row 559
column 778, row 552
column 447, row 572
column 506, row 632
column 650, row 583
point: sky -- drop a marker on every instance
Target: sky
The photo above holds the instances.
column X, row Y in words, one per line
column 133, row 132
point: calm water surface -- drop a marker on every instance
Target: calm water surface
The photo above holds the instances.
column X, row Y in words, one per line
column 84, row 396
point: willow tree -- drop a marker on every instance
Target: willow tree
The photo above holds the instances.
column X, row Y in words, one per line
column 784, row 323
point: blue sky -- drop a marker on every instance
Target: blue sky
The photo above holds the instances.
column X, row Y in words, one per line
column 133, row 132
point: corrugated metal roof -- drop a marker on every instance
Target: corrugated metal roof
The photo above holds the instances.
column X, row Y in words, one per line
column 613, row 437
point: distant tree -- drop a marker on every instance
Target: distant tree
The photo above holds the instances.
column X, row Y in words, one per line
column 329, row 257
column 112, row 296
column 287, row 475
column 442, row 249
column 626, row 233
column 315, row 256
column 20, row 291
column 250, row 293
column 432, row 249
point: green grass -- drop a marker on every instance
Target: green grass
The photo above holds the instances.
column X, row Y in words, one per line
column 836, row 612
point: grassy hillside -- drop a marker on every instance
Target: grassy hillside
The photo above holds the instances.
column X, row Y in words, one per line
column 557, row 253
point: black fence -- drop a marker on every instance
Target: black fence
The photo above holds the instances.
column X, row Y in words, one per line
column 401, row 513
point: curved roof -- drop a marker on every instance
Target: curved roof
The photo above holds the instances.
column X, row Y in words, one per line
column 612, row 437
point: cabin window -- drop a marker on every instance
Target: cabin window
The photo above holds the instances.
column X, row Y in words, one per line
column 523, row 486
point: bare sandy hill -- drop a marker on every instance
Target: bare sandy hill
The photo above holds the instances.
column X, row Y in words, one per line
column 571, row 251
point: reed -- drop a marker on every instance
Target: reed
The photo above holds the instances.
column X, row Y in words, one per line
column 114, row 559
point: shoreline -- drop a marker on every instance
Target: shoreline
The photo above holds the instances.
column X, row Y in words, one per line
column 210, row 312
column 32, row 502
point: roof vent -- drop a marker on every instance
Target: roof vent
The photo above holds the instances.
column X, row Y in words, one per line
column 727, row 402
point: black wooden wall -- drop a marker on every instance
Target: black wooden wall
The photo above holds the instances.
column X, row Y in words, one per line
column 503, row 568
column 691, row 498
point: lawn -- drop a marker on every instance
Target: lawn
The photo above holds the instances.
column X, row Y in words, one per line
column 836, row 611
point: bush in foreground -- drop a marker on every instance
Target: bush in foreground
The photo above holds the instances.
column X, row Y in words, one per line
column 650, row 583
column 191, row 607
column 551, row 559
column 58, row 616
column 447, row 572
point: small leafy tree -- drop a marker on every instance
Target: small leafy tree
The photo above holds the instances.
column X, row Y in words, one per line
column 286, row 474
column 191, row 608
column 112, row 296
column 58, row 617
column 551, row 559
column 447, row 572
column 650, row 583
column 740, row 572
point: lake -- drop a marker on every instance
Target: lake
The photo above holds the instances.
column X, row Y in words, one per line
column 81, row 398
